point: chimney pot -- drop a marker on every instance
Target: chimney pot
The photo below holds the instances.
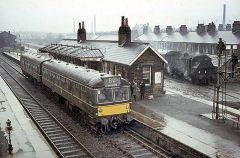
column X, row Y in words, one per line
column 79, row 25
column 122, row 23
column 83, row 25
column 126, row 22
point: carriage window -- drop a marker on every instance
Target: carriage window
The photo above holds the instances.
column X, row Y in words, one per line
column 121, row 94
column 69, row 85
column 105, row 95
column 75, row 89
column 146, row 71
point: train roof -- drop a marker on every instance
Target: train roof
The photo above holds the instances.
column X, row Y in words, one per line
column 36, row 58
column 88, row 77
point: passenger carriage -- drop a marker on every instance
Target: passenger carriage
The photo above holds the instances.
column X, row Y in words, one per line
column 99, row 98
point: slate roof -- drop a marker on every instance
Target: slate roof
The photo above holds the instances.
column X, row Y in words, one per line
column 126, row 55
column 74, row 51
column 191, row 37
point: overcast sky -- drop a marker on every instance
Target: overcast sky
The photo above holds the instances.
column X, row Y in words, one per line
column 57, row 15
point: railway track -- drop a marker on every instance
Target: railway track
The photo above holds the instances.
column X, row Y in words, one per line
column 62, row 141
column 131, row 143
column 135, row 145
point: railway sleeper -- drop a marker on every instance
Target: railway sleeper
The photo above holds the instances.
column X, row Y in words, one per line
column 62, row 144
column 51, row 128
column 34, row 108
column 73, row 152
column 48, row 123
column 42, row 117
column 138, row 150
column 57, row 134
column 67, row 147
column 144, row 155
column 134, row 147
column 77, row 155
column 62, row 140
column 53, row 131
column 38, row 112
column 30, row 103
column 59, row 137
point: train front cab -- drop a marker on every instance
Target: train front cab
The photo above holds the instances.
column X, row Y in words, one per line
column 113, row 106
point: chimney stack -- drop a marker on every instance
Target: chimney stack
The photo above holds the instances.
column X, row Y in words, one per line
column 156, row 29
column 236, row 27
column 220, row 27
column 79, row 32
column 183, row 29
column 124, row 32
column 229, row 27
column 211, row 28
column 200, row 29
column 169, row 29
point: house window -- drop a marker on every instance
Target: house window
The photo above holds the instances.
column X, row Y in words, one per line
column 105, row 68
column 147, row 74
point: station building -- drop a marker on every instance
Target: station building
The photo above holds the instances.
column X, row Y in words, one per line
column 131, row 60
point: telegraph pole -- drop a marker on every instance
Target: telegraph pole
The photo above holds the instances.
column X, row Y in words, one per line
column 220, row 49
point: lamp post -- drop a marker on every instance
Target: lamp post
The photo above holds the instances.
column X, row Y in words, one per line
column 9, row 129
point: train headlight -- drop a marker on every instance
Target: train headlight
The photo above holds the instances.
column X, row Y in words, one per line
column 99, row 110
column 199, row 72
column 205, row 71
column 127, row 106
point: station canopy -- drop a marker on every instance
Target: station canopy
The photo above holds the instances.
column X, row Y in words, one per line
column 82, row 53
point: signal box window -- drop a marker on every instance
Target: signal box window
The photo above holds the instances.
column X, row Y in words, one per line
column 146, row 71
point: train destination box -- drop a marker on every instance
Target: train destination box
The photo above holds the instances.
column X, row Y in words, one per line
column 112, row 81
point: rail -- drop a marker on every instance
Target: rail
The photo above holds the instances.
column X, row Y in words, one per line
column 62, row 141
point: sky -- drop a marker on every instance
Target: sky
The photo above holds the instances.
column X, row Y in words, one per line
column 57, row 15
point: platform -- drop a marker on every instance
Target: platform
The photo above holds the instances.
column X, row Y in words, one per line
column 181, row 118
column 27, row 141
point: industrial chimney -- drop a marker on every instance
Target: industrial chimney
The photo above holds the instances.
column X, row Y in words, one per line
column 224, row 15
column 95, row 24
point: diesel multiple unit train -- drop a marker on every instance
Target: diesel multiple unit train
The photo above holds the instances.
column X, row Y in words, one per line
column 99, row 98
column 198, row 69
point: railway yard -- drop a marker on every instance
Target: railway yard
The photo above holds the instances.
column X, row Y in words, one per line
column 167, row 126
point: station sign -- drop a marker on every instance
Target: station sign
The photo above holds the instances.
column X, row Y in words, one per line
column 112, row 81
